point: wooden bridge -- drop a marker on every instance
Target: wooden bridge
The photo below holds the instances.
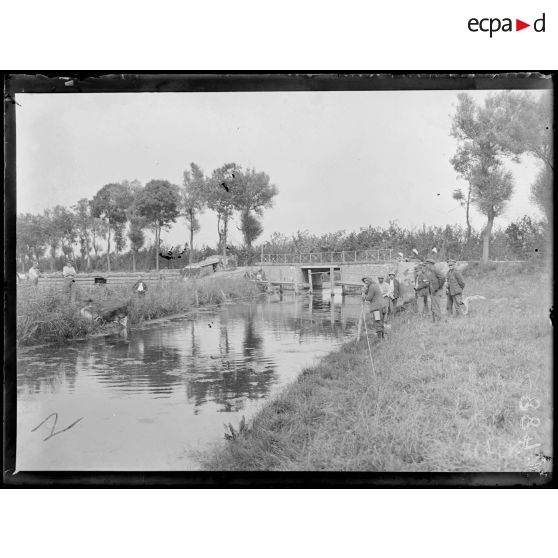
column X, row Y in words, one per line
column 380, row 255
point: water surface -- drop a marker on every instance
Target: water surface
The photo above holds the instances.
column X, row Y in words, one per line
column 157, row 399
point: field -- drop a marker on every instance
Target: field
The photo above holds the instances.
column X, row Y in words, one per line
column 45, row 315
column 469, row 394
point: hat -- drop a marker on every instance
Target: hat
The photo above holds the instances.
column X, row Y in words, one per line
column 430, row 261
column 451, row 261
column 392, row 273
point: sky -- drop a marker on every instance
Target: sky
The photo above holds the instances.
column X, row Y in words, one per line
column 340, row 159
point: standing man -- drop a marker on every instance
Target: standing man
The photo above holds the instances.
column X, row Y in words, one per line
column 422, row 289
column 436, row 281
column 34, row 274
column 393, row 292
column 375, row 298
column 454, row 290
column 384, row 287
column 69, row 274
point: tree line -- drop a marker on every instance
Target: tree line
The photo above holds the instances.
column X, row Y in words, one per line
column 507, row 126
column 120, row 213
column 522, row 239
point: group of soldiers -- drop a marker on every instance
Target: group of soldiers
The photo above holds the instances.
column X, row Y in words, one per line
column 429, row 283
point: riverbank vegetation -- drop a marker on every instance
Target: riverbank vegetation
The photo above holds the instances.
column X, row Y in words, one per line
column 469, row 394
column 46, row 314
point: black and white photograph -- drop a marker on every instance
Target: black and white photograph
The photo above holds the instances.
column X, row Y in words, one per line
column 280, row 277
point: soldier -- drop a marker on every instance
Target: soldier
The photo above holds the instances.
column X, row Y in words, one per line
column 393, row 292
column 436, row 281
column 374, row 296
column 454, row 290
column 384, row 287
column 422, row 290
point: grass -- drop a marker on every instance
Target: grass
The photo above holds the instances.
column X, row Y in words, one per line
column 446, row 397
column 45, row 315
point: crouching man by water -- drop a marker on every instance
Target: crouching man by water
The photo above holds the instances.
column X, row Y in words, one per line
column 371, row 293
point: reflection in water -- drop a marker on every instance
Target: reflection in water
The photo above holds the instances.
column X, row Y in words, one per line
column 146, row 401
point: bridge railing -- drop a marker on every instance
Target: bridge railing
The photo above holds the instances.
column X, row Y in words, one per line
column 317, row 258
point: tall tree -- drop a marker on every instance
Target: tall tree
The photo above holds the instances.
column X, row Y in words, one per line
column 193, row 201
column 84, row 223
column 110, row 204
column 478, row 161
column 158, row 203
column 250, row 227
column 99, row 231
column 30, row 238
column 255, row 194
column 57, row 231
column 523, row 124
column 223, row 191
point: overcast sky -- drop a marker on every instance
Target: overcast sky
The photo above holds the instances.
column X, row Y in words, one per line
column 341, row 160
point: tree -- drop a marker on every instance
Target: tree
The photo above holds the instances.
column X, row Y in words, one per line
column 255, row 193
column 136, row 237
column 30, row 238
column 110, row 204
column 99, row 231
column 193, row 201
column 223, row 190
column 523, row 124
column 158, row 203
column 251, row 228
column 541, row 193
column 478, row 161
column 83, row 221
column 58, row 231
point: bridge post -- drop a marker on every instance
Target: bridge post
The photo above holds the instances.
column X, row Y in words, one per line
column 310, row 280
column 331, row 281
column 280, row 281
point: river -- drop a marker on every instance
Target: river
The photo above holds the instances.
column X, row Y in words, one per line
column 156, row 400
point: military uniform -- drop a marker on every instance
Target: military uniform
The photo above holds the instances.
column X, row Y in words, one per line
column 455, row 286
column 375, row 297
column 422, row 291
column 436, row 281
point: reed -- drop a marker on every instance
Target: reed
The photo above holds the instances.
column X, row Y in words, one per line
column 45, row 315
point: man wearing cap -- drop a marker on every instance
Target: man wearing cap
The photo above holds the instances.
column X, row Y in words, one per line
column 373, row 295
column 422, row 290
column 393, row 292
column 436, row 280
column 69, row 274
column 454, row 289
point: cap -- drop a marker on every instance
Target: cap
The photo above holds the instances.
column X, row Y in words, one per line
column 391, row 273
column 430, row 261
column 451, row 261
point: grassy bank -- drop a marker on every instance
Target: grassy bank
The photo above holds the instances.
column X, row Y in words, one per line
column 445, row 397
column 45, row 315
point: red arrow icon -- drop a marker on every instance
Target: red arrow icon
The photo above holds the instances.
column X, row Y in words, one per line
column 519, row 25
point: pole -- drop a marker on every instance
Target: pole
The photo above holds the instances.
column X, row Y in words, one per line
column 359, row 328
column 310, row 280
column 331, row 280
